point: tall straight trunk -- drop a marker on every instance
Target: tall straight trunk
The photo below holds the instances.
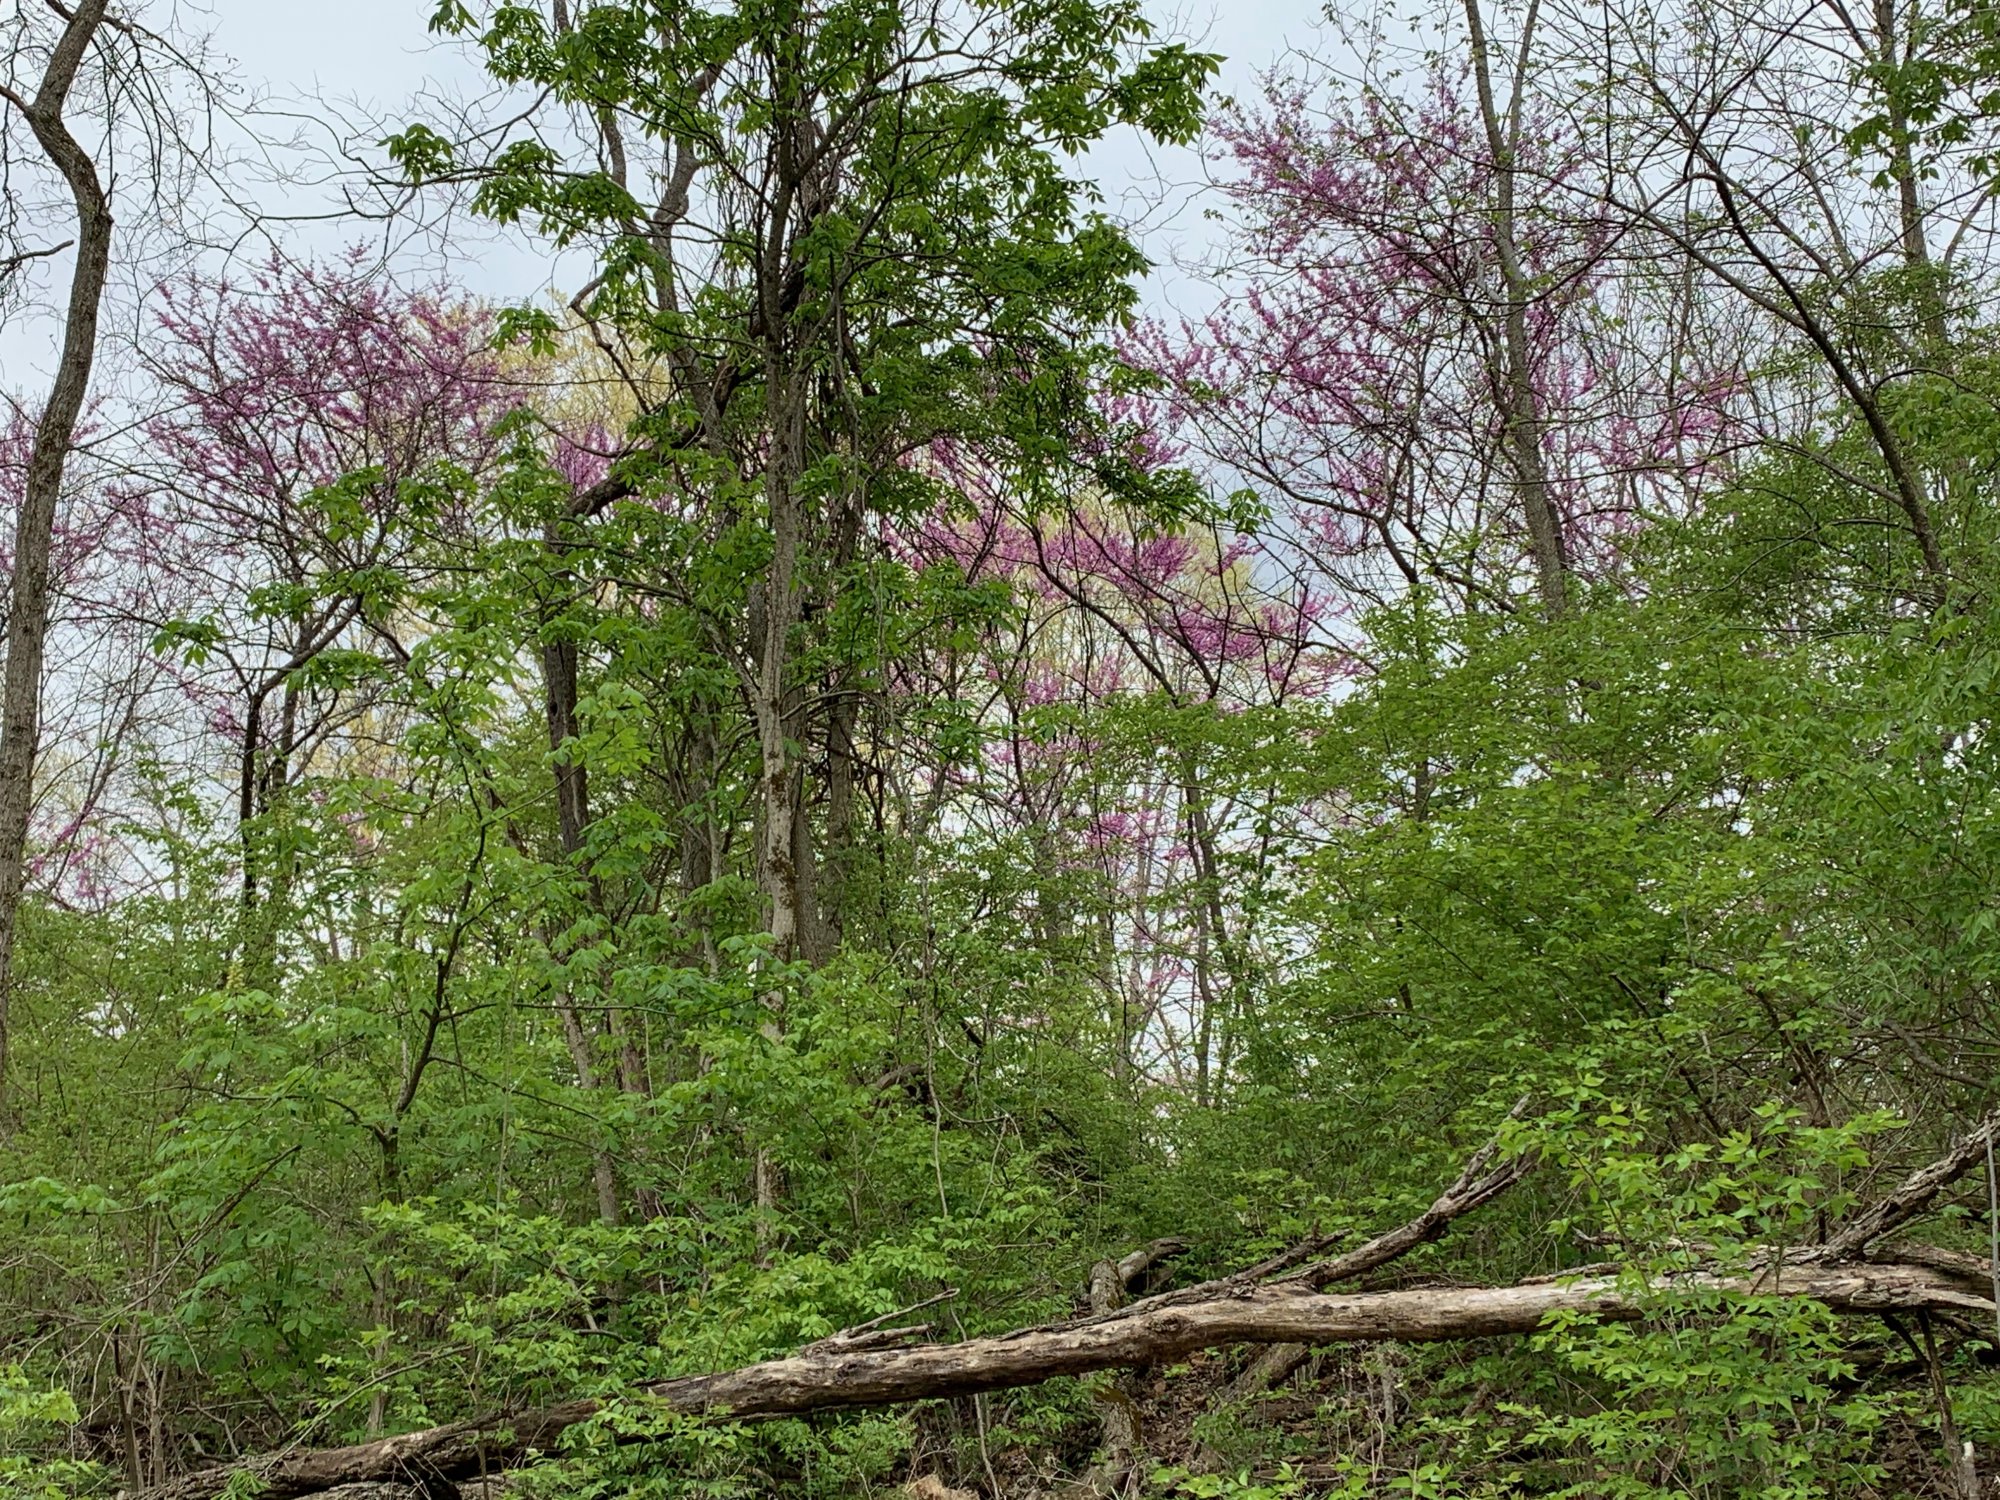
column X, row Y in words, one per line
column 1213, row 941
column 1136, row 1010
column 1895, row 41
column 1892, row 55
column 559, row 694
column 834, row 867
column 701, row 839
column 779, row 845
column 1520, row 408
column 28, row 609
column 798, row 194
column 837, row 862
column 603, row 1171
column 783, row 852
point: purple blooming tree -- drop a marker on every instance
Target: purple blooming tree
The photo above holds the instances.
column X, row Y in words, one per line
column 1363, row 374
column 315, row 416
column 1115, row 625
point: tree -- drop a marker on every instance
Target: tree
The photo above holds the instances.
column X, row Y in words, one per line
column 318, row 423
column 840, row 234
column 847, row 828
column 1417, row 363
column 45, row 114
column 65, row 73
column 797, row 209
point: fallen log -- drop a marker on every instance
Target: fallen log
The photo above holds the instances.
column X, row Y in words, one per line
column 832, row 1378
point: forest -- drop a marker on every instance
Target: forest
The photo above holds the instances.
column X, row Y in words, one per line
column 945, row 830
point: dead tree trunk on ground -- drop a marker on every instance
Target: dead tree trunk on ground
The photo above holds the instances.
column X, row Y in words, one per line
column 875, row 1366
column 837, row 1378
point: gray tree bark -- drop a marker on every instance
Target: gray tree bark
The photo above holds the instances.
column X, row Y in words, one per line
column 55, row 432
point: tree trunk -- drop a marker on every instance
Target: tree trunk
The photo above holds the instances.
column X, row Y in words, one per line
column 560, row 688
column 1520, row 407
column 851, row 1372
column 863, row 1367
column 1896, row 43
column 778, row 850
column 780, row 846
column 784, row 850
column 28, row 608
